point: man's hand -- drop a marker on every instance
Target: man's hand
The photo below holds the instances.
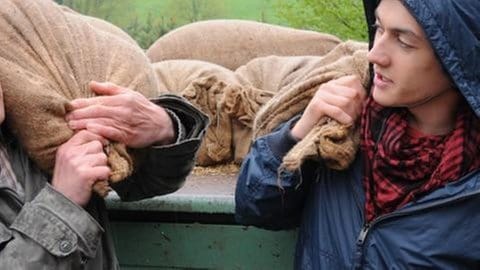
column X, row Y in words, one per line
column 79, row 163
column 340, row 99
column 122, row 115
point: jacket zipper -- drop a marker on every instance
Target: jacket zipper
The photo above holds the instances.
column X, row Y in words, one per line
column 367, row 227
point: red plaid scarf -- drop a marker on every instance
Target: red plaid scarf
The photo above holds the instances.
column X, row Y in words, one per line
column 400, row 167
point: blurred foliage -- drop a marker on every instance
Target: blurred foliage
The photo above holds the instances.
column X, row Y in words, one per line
column 180, row 12
column 196, row 10
column 147, row 20
column 343, row 18
column 147, row 33
column 104, row 9
column 147, row 30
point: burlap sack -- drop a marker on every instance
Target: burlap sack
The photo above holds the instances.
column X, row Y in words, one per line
column 217, row 92
column 241, row 104
column 100, row 24
column 232, row 43
column 175, row 76
column 47, row 58
column 262, row 94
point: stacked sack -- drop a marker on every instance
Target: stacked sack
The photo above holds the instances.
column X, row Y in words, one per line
column 48, row 55
column 232, row 43
column 254, row 78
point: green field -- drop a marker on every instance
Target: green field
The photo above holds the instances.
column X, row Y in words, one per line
column 177, row 11
column 244, row 9
column 147, row 20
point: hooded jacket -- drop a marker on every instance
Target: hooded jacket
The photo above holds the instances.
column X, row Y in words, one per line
column 436, row 231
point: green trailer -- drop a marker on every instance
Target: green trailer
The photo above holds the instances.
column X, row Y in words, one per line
column 194, row 228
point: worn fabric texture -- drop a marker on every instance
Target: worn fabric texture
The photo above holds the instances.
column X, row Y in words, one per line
column 203, row 84
column 393, row 176
column 175, row 76
column 48, row 55
column 103, row 25
column 232, row 43
column 334, row 143
column 254, row 99
column 229, row 103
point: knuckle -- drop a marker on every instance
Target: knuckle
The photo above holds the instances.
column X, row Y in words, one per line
column 107, row 171
column 350, row 79
column 336, row 112
column 344, row 103
column 324, row 87
column 348, row 120
column 82, row 133
column 124, row 137
column 351, row 92
column 97, row 108
column 73, row 114
column 328, row 87
column 130, row 112
column 100, row 172
column 317, row 108
column 130, row 99
column 103, row 158
column 97, row 146
column 355, row 94
column 319, row 97
column 65, row 153
column 104, row 173
column 68, row 155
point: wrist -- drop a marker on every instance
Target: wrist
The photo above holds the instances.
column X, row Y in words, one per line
column 165, row 134
column 72, row 195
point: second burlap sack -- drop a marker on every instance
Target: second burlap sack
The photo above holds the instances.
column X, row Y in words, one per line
column 48, row 56
column 219, row 93
column 262, row 94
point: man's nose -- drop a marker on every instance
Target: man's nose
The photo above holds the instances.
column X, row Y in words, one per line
column 378, row 54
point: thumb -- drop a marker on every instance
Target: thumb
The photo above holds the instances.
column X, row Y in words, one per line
column 105, row 88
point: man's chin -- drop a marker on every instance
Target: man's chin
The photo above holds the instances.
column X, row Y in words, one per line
column 381, row 99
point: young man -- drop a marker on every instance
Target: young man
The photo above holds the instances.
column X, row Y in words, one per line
column 56, row 223
column 410, row 199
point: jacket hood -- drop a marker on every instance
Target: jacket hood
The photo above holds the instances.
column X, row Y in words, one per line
column 453, row 28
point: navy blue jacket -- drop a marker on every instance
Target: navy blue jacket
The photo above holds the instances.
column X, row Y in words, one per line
column 437, row 231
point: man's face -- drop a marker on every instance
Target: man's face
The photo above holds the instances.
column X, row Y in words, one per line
column 407, row 73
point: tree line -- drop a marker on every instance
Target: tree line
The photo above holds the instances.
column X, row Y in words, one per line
column 343, row 18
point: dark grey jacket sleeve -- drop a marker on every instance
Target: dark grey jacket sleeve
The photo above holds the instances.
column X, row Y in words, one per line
column 163, row 169
column 50, row 232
